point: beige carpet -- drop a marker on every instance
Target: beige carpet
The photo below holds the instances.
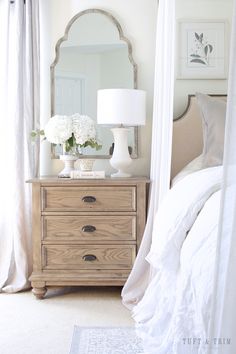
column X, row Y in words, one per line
column 31, row 326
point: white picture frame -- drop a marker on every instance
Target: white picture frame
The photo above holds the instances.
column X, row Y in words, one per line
column 202, row 49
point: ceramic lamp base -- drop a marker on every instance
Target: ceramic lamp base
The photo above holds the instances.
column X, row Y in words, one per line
column 120, row 159
column 121, row 174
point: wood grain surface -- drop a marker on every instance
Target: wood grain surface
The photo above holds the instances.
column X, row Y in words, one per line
column 86, row 242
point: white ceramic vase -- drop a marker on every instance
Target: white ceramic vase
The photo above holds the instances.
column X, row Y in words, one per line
column 69, row 162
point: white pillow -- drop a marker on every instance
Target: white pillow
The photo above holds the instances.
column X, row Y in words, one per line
column 213, row 112
column 193, row 166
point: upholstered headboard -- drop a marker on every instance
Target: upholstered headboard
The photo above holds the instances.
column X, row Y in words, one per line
column 187, row 135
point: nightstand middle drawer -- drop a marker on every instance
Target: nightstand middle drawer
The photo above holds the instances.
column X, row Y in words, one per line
column 89, row 228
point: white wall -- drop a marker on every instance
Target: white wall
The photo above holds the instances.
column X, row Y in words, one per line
column 138, row 21
column 207, row 10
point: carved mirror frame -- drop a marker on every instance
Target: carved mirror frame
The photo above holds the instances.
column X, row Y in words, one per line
column 57, row 57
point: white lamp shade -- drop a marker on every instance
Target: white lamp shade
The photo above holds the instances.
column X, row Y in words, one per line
column 121, row 106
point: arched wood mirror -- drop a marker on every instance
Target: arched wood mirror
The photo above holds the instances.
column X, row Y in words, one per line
column 93, row 54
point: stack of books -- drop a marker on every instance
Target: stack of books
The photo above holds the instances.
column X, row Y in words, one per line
column 87, row 174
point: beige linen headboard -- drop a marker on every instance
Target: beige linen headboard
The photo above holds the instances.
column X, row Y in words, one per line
column 187, row 135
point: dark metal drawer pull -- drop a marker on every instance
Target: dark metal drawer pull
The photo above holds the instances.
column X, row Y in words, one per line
column 89, row 199
column 89, row 258
column 88, row 228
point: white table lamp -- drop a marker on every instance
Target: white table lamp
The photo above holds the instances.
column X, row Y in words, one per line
column 121, row 107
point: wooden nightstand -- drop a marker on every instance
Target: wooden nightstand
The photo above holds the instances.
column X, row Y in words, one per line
column 85, row 232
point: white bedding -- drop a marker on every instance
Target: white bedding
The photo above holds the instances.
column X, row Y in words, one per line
column 175, row 307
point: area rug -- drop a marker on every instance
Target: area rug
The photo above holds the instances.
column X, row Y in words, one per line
column 105, row 340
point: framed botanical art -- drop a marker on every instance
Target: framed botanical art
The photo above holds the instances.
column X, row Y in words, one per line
column 202, row 49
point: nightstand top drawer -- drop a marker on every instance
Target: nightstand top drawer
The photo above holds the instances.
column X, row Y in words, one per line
column 71, row 198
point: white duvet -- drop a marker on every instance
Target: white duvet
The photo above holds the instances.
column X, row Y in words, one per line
column 173, row 316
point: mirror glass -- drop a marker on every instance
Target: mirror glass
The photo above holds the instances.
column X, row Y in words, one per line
column 92, row 55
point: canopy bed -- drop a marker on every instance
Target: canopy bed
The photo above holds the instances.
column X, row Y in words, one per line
column 176, row 305
column 180, row 290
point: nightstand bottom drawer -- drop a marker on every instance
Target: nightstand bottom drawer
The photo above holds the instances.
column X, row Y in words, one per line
column 90, row 257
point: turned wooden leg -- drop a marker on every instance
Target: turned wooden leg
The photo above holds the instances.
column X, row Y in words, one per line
column 39, row 292
column 39, row 289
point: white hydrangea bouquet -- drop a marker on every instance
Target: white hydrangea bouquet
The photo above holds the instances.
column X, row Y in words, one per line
column 72, row 132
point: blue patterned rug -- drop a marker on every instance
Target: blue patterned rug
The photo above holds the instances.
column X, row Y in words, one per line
column 105, row 340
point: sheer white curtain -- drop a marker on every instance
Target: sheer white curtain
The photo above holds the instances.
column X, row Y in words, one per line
column 19, row 114
column 224, row 305
column 161, row 144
